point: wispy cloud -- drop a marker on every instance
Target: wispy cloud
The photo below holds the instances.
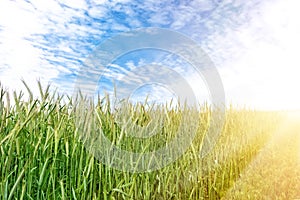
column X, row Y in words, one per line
column 260, row 69
column 247, row 40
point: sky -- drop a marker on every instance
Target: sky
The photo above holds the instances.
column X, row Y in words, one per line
column 253, row 45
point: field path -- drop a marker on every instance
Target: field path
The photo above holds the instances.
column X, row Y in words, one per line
column 275, row 172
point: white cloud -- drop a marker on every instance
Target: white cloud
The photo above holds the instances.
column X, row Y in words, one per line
column 254, row 44
column 75, row 4
column 161, row 18
column 33, row 34
column 21, row 59
column 265, row 74
column 98, row 11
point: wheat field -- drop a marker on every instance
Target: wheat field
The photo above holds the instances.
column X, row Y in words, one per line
column 257, row 155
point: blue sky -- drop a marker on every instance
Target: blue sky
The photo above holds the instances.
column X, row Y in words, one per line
column 253, row 44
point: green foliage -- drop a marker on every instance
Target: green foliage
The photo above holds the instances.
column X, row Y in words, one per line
column 41, row 156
